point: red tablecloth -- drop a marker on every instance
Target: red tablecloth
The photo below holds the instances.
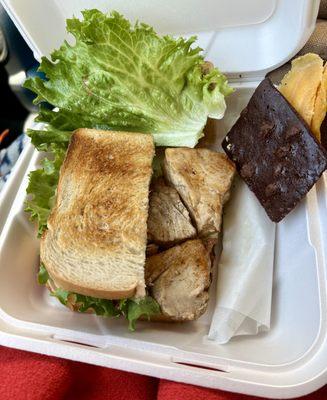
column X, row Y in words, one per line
column 36, row 377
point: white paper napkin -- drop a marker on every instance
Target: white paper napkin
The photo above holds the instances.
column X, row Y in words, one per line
column 245, row 269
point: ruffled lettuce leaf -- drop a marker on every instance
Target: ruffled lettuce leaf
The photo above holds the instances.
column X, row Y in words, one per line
column 42, row 188
column 136, row 308
column 126, row 77
column 50, row 139
column 43, row 181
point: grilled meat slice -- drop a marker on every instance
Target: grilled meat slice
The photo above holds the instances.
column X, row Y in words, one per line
column 178, row 279
column 169, row 221
column 202, row 178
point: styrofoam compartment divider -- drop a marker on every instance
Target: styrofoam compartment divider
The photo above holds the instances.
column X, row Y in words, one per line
column 289, row 360
column 245, row 39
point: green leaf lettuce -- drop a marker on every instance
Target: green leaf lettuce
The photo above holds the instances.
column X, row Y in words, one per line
column 124, row 77
column 42, row 189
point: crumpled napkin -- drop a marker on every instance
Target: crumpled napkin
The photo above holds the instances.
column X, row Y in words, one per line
column 245, row 269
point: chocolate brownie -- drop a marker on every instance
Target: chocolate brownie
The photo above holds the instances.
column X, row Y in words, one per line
column 274, row 151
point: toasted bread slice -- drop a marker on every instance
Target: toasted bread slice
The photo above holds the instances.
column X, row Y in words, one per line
column 96, row 238
column 179, row 279
column 202, row 178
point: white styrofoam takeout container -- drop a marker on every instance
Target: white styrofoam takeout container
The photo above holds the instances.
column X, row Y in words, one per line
column 288, row 361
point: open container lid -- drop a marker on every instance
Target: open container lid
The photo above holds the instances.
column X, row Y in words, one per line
column 244, row 38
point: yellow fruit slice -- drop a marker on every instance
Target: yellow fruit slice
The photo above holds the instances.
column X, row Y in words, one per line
column 320, row 107
column 301, row 83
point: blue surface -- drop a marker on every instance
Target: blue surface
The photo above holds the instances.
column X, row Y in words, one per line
column 8, row 158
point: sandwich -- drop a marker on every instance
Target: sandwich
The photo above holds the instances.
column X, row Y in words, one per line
column 104, row 219
column 119, row 236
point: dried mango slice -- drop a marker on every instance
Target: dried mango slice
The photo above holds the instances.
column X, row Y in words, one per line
column 300, row 85
column 320, row 106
